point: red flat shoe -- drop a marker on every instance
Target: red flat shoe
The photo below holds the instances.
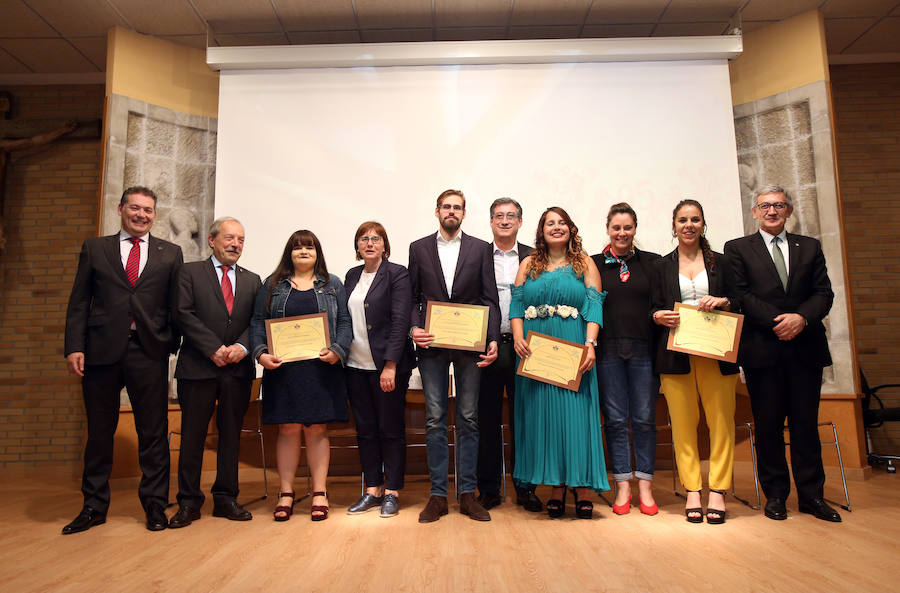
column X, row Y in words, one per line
column 321, row 509
column 623, row 509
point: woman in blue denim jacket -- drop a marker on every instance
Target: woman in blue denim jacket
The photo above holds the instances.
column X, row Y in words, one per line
column 303, row 396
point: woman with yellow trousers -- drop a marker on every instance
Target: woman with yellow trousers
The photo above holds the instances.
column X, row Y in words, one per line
column 696, row 275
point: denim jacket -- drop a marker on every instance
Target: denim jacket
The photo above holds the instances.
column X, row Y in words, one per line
column 331, row 298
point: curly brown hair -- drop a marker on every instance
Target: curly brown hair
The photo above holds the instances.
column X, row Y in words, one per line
column 540, row 257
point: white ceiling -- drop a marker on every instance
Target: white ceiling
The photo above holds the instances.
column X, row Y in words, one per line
column 68, row 37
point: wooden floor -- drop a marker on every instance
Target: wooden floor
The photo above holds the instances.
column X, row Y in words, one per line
column 517, row 551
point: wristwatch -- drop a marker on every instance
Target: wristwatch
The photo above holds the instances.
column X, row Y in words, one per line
column 591, row 342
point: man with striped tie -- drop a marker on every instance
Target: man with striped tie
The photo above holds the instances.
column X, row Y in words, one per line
column 215, row 303
column 119, row 333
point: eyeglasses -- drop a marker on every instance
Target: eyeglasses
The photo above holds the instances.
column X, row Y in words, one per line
column 373, row 240
column 511, row 216
column 779, row 206
column 449, row 207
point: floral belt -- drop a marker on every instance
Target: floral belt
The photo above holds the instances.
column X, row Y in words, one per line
column 544, row 311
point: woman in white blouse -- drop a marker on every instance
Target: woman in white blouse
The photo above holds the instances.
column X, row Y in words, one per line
column 380, row 362
column 696, row 275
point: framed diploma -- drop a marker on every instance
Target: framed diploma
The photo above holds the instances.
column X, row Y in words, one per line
column 714, row 334
column 298, row 338
column 457, row 326
column 553, row 360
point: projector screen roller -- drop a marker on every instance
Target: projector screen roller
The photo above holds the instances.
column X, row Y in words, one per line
column 328, row 148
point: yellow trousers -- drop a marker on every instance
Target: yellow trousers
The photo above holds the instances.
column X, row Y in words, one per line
column 705, row 383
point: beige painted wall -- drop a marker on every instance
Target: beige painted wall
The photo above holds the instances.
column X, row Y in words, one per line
column 161, row 73
column 780, row 57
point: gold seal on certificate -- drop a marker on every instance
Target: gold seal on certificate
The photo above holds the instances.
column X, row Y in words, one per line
column 457, row 325
column 553, row 361
column 714, row 334
column 298, row 338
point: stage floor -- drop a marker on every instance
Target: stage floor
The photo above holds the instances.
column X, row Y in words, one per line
column 517, row 551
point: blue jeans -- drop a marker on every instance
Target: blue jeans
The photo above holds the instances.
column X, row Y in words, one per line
column 628, row 392
column 434, row 366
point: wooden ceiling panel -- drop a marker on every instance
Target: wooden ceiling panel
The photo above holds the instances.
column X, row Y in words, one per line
column 546, row 12
column 394, row 14
column 85, row 18
column 316, row 15
column 176, row 18
column 884, row 37
column 776, row 10
column 20, row 21
column 693, row 11
column 857, row 8
column 94, row 49
column 10, row 65
column 46, row 56
column 626, row 11
column 550, row 32
column 471, row 13
column 238, row 16
column 471, row 33
column 840, row 33
column 247, row 39
column 320, row 37
column 617, row 30
column 689, row 29
column 388, row 35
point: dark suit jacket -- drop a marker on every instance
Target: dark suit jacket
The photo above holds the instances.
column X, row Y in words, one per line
column 103, row 302
column 387, row 307
column 763, row 298
column 474, row 282
column 666, row 291
column 205, row 323
column 523, row 250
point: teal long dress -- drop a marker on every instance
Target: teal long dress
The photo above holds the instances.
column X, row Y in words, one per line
column 558, row 432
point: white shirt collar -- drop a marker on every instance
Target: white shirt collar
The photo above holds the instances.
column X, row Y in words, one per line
column 767, row 236
column 456, row 239
column 515, row 248
column 124, row 236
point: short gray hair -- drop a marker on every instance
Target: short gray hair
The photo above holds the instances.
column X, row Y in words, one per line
column 216, row 226
column 773, row 189
column 501, row 201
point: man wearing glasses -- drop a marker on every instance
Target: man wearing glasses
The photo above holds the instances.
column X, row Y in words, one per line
column 450, row 266
column 784, row 291
column 506, row 220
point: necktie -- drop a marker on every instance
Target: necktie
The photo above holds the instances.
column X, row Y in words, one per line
column 133, row 265
column 227, row 292
column 778, row 257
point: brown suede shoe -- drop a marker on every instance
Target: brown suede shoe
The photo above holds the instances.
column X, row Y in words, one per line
column 469, row 505
column 434, row 510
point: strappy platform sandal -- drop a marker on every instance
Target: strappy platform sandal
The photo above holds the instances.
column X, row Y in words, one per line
column 715, row 516
column 698, row 511
column 321, row 509
column 584, row 509
column 288, row 510
column 556, row 507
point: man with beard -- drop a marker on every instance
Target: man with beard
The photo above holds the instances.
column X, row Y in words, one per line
column 450, row 266
column 215, row 302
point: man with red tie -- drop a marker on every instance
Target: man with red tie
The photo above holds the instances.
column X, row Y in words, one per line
column 119, row 333
column 215, row 302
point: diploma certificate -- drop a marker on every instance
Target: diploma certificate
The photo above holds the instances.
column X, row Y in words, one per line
column 298, row 338
column 457, row 326
column 553, row 361
column 714, row 334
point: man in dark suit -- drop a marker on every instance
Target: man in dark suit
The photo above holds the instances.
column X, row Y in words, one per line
column 784, row 291
column 215, row 302
column 452, row 266
column 506, row 220
column 119, row 333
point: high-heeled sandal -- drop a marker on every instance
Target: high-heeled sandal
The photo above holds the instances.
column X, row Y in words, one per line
column 556, row 507
column 319, row 508
column 584, row 509
column 698, row 511
column 715, row 516
column 288, row 510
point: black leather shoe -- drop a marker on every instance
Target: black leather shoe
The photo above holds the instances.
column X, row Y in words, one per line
column 156, row 518
column 184, row 517
column 391, row 506
column 489, row 500
column 775, row 509
column 86, row 519
column 231, row 510
column 529, row 500
column 819, row 508
column 366, row 502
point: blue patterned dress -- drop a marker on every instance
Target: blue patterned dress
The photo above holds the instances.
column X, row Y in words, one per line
column 558, row 432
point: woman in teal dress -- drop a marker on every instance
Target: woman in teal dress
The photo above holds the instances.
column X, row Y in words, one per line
column 558, row 435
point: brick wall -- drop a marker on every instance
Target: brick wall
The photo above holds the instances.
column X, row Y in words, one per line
column 867, row 122
column 49, row 208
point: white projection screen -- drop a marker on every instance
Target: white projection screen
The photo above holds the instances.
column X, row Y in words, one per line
column 328, row 148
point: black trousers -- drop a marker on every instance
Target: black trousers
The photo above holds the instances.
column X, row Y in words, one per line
column 197, row 399
column 791, row 393
column 494, row 379
column 380, row 426
column 146, row 380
